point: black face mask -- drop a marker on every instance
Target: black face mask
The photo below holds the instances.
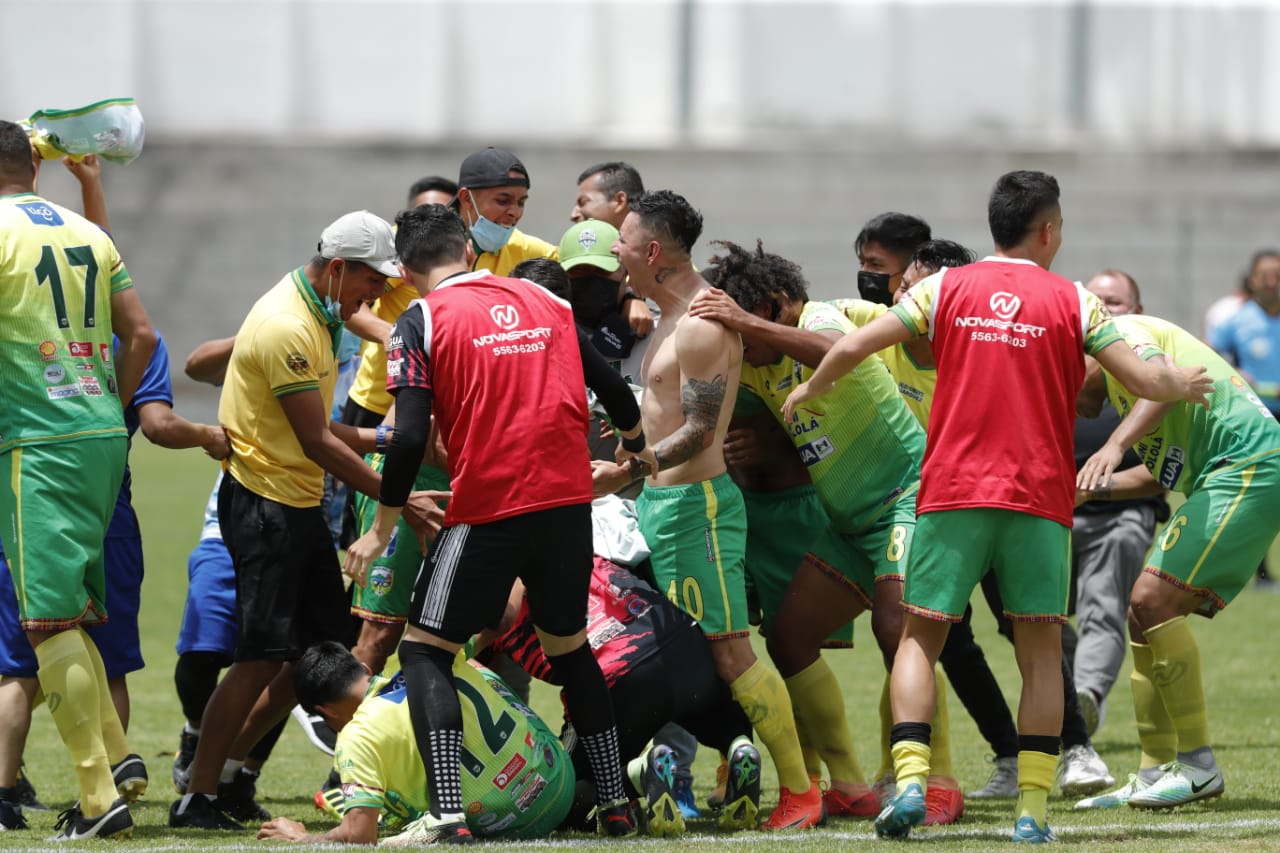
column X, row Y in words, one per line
column 592, row 299
column 874, row 287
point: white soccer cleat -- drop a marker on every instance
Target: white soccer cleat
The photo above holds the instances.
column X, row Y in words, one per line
column 1116, row 798
column 1082, row 772
column 1180, row 784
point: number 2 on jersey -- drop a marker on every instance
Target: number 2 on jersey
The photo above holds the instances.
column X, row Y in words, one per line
column 47, row 270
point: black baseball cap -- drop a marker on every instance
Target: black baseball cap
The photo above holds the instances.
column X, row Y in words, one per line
column 490, row 168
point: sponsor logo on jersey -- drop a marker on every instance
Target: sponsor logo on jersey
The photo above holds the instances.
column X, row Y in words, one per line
column 604, row 632
column 1175, row 460
column 104, row 353
column 48, row 350
column 395, row 342
column 817, row 450
column 510, row 771
column 495, row 828
column 297, row 362
column 393, row 367
column 90, row 386
column 1003, row 325
column 54, row 373
column 80, row 349
column 1004, row 304
column 530, row 794
column 62, row 392
column 84, row 366
column 475, row 807
column 41, row 213
column 505, row 316
column 515, row 335
column 911, row 392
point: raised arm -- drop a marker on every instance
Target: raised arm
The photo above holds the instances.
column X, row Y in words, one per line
column 847, row 353
column 1155, row 379
column 806, row 347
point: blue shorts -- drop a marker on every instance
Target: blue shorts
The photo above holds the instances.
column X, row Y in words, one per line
column 117, row 640
column 209, row 618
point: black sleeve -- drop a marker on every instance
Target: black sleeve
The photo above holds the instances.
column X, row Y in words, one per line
column 407, row 447
column 614, row 392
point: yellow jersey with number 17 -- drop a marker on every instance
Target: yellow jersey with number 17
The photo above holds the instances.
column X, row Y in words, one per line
column 58, row 272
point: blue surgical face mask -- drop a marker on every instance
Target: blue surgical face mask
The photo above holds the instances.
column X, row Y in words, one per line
column 488, row 235
column 333, row 306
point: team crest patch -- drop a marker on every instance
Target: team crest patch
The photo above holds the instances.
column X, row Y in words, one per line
column 380, row 579
column 297, row 362
column 587, row 238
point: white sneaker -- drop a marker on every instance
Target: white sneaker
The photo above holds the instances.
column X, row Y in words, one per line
column 1082, row 771
column 1116, row 798
column 318, row 732
column 1003, row 783
column 885, row 788
column 1092, row 709
column 1180, row 784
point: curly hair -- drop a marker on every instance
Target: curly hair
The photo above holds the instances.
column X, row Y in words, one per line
column 755, row 278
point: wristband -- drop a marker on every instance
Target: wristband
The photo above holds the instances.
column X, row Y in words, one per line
column 628, row 295
column 634, row 445
column 380, row 437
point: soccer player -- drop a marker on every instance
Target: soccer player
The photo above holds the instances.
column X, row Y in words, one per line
column 1226, row 460
column 63, row 443
column 496, row 364
column 517, row 779
column 996, row 492
column 691, row 513
column 862, row 448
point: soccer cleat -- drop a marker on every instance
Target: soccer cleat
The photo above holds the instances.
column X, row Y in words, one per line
column 318, row 732
column 182, row 760
column 130, row 776
column 24, row 793
column 715, row 800
column 1180, row 784
column 1116, row 798
column 429, row 830
column 1081, row 771
column 663, row 812
column 862, row 803
column 1027, row 831
column 116, row 822
column 1003, row 783
column 11, row 816
column 619, row 819
column 741, row 804
column 885, row 788
column 943, row 802
column 685, row 800
column 236, row 798
column 796, row 811
column 906, row 810
column 201, row 813
column 329, row 801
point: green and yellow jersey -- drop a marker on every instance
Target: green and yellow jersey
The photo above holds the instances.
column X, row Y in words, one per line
column 1192, row 442
column 915, row 383
column 517, row 780
column 58, row 272
column 861, row 444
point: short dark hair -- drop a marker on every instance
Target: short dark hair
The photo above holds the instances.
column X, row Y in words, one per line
column 753, row 278
column 1260, row 256
column 669, row 215
column 545, row 272
column 1017, row 202
column 933, row 255
column 900, row 233
column 324, row 674
column 429, row 236
column 431, row 182
column 616, row 176
column 1132, row 282
column 15, row 153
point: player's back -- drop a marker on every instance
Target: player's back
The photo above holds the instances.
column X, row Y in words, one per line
column 57, row 274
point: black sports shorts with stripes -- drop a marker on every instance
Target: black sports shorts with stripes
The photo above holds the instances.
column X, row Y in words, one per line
column 464, row 586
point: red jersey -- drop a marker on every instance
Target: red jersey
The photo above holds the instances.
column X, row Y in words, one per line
column 1009, row 338
column 500, row 358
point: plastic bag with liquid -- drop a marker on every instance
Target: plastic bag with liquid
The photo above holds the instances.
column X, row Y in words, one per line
column 112, row 129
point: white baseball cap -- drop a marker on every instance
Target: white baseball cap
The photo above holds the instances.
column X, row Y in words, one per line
column 361, row 236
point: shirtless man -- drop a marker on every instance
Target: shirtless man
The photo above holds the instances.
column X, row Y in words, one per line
column 691, row 513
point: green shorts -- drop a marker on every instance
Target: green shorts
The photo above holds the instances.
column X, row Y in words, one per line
column 878, row 552
column 953, row 549
column 698, row 535
column 385, row 598
column 780, row 528
column 1215, row 540
column 56, row 501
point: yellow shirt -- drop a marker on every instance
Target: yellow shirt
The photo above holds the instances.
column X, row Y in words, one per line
column 521, row 247
column 915, row 383
column 286, row 345
column 369, row 389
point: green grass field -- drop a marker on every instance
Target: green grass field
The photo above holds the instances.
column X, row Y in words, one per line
column 1238, row 649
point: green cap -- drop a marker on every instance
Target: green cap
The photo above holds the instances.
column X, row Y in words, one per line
column 588, row 242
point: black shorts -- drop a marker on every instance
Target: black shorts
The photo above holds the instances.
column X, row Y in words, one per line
column 465, row 585
column 289, row 592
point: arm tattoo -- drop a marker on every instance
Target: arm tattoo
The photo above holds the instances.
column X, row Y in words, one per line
column 663, row 274
column 701, row 402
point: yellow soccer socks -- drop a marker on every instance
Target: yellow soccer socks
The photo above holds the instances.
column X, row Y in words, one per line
column 113, row 736
column 67, row 677
column 1036, row 770
column 763, row 696
column 819, row 707
column 1175, row 671
column 1156, row 734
